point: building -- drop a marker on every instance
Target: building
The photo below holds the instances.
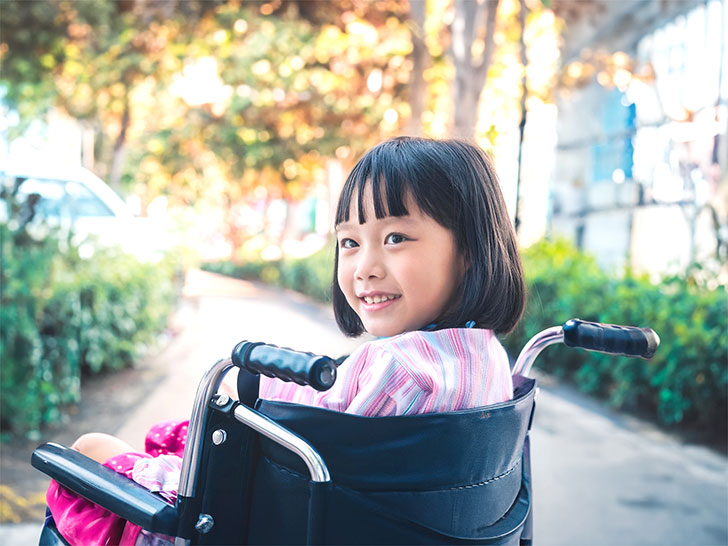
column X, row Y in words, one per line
column 640, row 173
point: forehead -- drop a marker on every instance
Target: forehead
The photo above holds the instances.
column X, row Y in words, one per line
column 367, row 200
column 371, row 197
column 414, row 216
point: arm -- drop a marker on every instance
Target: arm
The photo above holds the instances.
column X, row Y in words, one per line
column 386, row 386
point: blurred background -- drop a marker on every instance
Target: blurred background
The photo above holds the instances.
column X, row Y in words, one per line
column 143, row 139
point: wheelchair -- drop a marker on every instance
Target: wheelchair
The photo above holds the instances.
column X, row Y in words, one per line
column 266, row 472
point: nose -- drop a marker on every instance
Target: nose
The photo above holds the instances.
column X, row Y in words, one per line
column 369, row 265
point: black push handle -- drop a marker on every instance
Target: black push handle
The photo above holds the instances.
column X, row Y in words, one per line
column 286, row 364
column 611, row 338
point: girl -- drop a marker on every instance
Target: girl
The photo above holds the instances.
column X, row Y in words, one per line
column 427, row 261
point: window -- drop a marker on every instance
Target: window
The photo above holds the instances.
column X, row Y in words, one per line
column 615, row 152
column 61, row 199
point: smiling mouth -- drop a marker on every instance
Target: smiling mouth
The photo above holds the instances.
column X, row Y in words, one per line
column 378, row 299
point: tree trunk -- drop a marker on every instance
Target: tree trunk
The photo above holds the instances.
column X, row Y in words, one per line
column 473, row 19
column 419, row 62
column 88, row 144
column 524, row 113
column 117, row 159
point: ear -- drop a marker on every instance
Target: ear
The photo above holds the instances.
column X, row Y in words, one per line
column 463, row 266
column 465, row 263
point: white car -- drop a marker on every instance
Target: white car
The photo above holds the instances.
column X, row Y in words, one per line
column 75, row 198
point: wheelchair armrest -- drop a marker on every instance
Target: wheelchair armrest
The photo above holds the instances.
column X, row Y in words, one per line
column 107, row 488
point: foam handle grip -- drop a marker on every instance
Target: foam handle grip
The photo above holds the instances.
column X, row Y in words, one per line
column 611, row 338
column 303, row 368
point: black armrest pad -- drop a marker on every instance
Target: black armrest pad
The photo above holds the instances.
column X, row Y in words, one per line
column 107, row 488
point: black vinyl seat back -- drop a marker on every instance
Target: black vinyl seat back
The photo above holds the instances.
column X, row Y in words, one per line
column 457, row 477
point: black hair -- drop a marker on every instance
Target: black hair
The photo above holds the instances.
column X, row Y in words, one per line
column 453, row 182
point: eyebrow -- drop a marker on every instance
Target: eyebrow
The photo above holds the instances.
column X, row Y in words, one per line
column 387, row 219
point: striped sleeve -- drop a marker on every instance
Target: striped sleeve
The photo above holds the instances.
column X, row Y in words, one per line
column 414, row 373
column 386, row 387
column 370, row 382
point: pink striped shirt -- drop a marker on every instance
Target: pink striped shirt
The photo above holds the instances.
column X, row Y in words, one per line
column 412, row 373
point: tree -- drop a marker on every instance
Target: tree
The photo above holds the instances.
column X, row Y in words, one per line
column 186, row 96
column 523, row 10
column 283, row 93
column 420, row 59
column 34, row 44
column 473, row 31
column 87, row 58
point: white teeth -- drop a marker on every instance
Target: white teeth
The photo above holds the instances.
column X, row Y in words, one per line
column 378, row 299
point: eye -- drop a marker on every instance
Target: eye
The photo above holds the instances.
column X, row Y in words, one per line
column 348, row 243
column 395, row 239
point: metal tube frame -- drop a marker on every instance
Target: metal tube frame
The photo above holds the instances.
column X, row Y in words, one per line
column 284, row 437
column 205, row 391
column 533, row 348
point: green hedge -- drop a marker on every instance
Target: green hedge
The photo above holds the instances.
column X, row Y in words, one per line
column 61, row 315
column 685, row 383
column 311, row 275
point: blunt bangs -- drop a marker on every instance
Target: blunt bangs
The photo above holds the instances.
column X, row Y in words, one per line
column 400, row 167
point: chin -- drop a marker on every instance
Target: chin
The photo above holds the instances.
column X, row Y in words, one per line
column 378, row 332
column 383, row 331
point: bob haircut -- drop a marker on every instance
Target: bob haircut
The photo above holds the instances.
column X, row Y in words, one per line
column 453, row 182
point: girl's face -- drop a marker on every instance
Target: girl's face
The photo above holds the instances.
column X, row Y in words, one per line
column 398, row 273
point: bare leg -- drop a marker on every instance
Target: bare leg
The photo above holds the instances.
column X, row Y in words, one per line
column 229, row 384
column 101, row 447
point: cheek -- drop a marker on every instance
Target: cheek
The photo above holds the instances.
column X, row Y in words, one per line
column 345, row 276
column 448, row 274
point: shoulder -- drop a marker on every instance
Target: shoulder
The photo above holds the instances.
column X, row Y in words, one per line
column 387, row 361
column 426, row 352
column 426, row 344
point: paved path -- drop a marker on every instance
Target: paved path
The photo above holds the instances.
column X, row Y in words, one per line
column 602, row 478
column 599, row 478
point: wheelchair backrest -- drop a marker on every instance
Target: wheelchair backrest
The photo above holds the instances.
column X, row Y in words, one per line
column 446, row 475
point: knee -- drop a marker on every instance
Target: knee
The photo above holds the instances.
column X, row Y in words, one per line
column 101, row 447
column 90, row 442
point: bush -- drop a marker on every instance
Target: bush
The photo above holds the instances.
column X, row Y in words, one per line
column 61, row 315
column 311, row 275
column 686, row 382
